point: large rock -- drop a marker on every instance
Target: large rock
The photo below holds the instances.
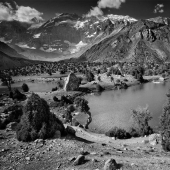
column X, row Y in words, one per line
column 72, row 82
column 12, row 126
column 155, row 139
column 110, row 164
column 79, row 160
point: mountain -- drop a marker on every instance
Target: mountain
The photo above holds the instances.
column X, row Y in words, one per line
column 62, row 36
column 141, row 41
column 7, row 62
column 111, row 37
column 9, row 51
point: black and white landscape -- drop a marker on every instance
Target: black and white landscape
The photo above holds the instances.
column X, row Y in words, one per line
column 84, row 84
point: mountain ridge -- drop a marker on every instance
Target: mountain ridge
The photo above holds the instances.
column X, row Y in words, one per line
column 68, row 35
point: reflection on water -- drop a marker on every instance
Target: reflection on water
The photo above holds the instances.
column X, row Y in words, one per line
column 113, row 108
column 33, row 86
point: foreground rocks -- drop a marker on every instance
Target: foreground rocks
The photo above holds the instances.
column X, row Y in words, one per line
column 79, row 160
column 78, row 153
column 110, row 164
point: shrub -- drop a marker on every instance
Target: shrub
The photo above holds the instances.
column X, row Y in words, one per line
column 133, row 132
column 81, row 104
column 98, row 88
column 18, row 95
column 62, row 71
column 37, row 121
column 141, row 117
column 25, row 87
column 54, row 89
column 60, row 84
column 89, row 76
column 118, row 133
column 67, row 116
column 55, row 99
column 165, row 125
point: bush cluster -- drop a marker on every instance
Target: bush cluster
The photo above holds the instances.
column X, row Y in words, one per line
column 18, row 95
column 165, row 125
column 118, row 133
column 25, row 87
column 141, row 118
column 89, row 76
column 81, row 104
column 37, row 121
column 13, row 113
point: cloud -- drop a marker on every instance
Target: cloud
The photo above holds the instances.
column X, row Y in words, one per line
column 20, row 13
column 95, row 11
column 110, row 3
column 159, row 8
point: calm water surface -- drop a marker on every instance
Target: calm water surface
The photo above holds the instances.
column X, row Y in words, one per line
column 113, row 108
column 36, row 86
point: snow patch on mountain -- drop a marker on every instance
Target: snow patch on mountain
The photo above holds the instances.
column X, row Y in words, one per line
column 65, row 22
column 37, row 35
column 50, row 49
column 78, row 47
column 89, row 36
column 2, row 39
column 80, row 24
column 22, row 45
column 35, row 26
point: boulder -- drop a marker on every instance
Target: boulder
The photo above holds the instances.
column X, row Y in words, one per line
column 12, row 126
column 70, row 130
column 154, row 139
column 72, row 82
column 57, row 134
column 79, row 160
column 110, row 164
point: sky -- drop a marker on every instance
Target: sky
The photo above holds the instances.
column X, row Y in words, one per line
column 25, row 10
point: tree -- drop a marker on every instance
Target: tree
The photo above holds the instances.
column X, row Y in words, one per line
column 81, row 104
column 165, row 125
column 89, row 75
column 141, row 117
column 25, row 87
column 37, row 121
column 7, row 80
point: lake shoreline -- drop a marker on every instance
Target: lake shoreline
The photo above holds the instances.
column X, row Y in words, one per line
column 105, row 83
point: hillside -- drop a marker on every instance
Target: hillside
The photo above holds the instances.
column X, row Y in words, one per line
column 7, row 62
column 9, row 51
column 61, row 36
column 141, row 41
column 110, row 37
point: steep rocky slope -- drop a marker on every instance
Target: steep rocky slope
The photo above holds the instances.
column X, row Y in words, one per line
column 63, row 35
column 111, row 37
column 7, row 62
column 141, row 41
column 9, row 51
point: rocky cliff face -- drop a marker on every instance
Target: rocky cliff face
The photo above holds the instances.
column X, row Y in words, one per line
column 140, row 41
column 65, row 34
column 110, row 37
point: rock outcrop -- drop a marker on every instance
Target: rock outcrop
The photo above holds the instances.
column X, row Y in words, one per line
column 110, row 164
column 72, row 82
column 154, row 139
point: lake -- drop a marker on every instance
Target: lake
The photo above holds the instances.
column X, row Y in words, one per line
column 37, row 86
column 113, row 108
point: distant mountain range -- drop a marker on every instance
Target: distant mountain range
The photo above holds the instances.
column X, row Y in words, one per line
column 111, row 37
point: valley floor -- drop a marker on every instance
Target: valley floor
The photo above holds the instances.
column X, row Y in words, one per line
column 60, row 153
